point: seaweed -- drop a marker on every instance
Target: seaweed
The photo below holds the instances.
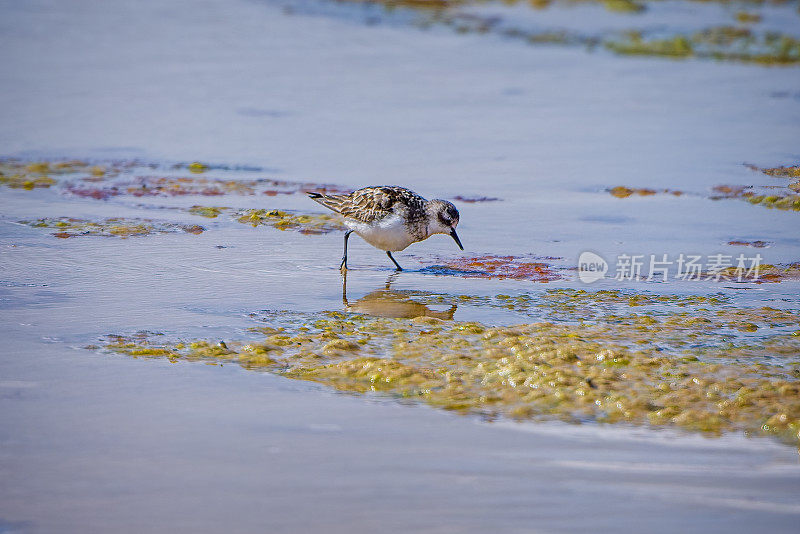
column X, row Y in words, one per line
column 781, row 172
column 723, row 42
column 210, row 212
column 709, row 368
column 67, row 227
column 624, row 192
column 495, row 267
column 285, row 220
column 754, row 244
column 104, row 180
column 634, row 44
column 786, row 199
column 476, row 199
column 781, row 200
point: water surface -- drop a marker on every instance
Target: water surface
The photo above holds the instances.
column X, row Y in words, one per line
column 95, row 441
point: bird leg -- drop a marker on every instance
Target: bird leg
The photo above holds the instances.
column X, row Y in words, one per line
column 343, row 265
column 389, row 253
column 344, row 289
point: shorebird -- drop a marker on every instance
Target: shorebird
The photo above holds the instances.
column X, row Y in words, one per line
column 391, row 218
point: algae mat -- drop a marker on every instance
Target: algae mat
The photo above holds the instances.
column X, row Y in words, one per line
column 710, row 368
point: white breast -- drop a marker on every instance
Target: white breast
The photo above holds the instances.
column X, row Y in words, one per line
column 389, row 233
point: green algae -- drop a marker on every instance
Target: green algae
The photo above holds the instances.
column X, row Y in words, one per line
column 623, row 6
column 634, row 44
column 125, row 178
column 724, row 43
column 781, row 202
column 792, row 171
column 579, row 304
column 67, row 227
column 782, row 197
column 197, row 167
column 285, row 220
column 18, row 174
column 305, row 223
column 26, row 181
column 178, row 186
column 621, row 191
column 151, row 186
column 786, row 199
column 31, row 175
column 101, row 181
column 173, row 186
column 702, row 365
column 210, row 212
column 746, row 17
column 744, row 43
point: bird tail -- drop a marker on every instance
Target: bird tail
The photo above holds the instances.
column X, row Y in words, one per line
column 332, row 202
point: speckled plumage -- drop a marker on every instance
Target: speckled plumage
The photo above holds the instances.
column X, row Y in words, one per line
column 372, row 204
column 391, row 217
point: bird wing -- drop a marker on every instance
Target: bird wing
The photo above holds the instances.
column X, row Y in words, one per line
column 371, row 203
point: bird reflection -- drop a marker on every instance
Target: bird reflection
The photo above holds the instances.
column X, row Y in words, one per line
column 387, row 302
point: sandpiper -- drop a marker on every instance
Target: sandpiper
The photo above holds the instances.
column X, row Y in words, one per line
column 391, row 218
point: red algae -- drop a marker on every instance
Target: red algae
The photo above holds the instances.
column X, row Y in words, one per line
column 473, row 200
column 754, row 244
column 497, row 267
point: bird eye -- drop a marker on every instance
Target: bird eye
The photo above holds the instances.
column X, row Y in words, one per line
column 444, row 220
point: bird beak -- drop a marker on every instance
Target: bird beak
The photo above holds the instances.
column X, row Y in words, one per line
column 454, row 235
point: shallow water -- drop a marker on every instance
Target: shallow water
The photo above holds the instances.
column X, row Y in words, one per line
column 96, row 441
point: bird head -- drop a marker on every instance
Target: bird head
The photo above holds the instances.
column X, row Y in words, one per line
column 443, row 219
